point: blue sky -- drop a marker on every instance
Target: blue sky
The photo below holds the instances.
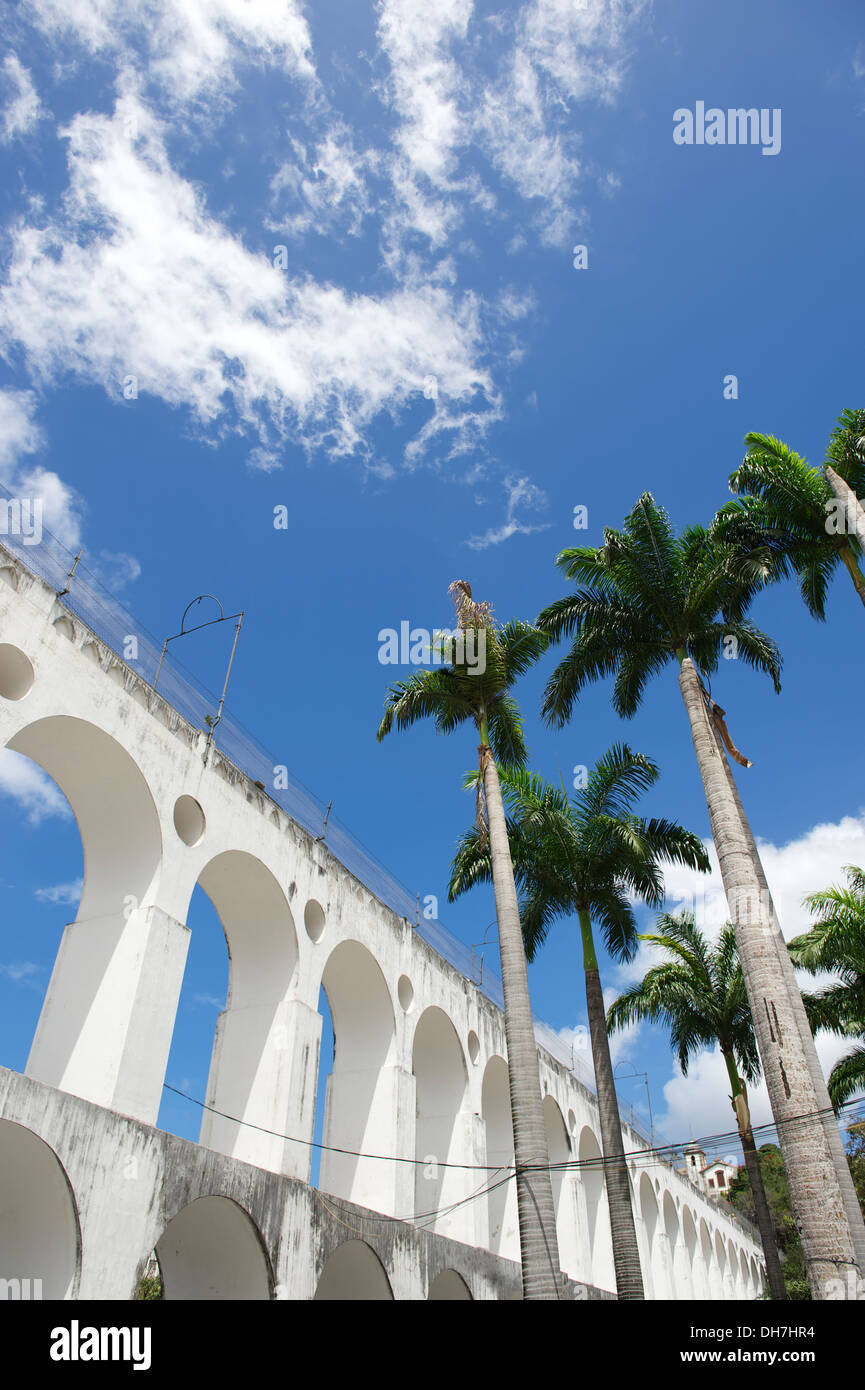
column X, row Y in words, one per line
column 258, row 254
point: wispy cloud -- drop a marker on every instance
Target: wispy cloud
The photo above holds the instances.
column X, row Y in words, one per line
column 21, row 973
column 23, row 110
column 193, row 50
column 66, row 893
column 165, row 293
column 520, row 494
column 34, row 791
column 210, row 1001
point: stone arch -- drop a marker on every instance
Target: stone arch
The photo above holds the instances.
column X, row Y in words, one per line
column 498, row 1129
column 362, row 1097
column 250, row 1071
column 559, row 1150
column 353, row 1271
column 756, row 1281
column 678, row 1265
column 441, row 1131
column 94, row 1037
column 651, row 1226
column 39, row 1229
column 690, row 1241
column 112, row 805
column 710, row 1268
column 722, row 1265
column 212, row 1249
column 450, row 1286
column 601, row 1271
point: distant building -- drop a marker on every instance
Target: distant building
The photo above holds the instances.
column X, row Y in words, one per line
column 712, row 1178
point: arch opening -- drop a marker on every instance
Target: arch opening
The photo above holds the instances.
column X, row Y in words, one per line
column 441, row 1132
column 601, row 1271
column 502, row 1200
column 39, row 1230
column 87, row 1040
column 250, row 1076
column 450, row 1286
column 213, row 1250
column 559, row 1150
column 361, row 1095
column 353, row 1271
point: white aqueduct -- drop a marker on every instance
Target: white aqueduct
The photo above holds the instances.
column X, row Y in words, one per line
column 88, row 1185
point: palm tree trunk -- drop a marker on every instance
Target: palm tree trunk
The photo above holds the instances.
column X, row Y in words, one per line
column 853, row 569
column 537, row 1218
column 626, row 1253
column 765, row 1224
column 827, row 1117
column 815, row 1191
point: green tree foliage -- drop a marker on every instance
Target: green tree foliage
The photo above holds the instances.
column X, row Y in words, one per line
column 781, row 1211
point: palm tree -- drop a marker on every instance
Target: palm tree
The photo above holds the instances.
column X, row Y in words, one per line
column 583, row 857
column 836, row 943
column 790, row 509
column 699, row 994
column 462, row 693
column 648, row 598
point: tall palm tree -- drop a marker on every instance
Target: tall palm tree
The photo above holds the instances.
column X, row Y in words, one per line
column 648, row 598
column 583, row 857
column 699, row 994
column 462, row 693
column 787, row 508
column 836, row 944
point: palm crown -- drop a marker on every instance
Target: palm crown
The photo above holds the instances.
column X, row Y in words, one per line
column 588, row 853
column 645, row 598
column 698, row 994
column 783, row 509
column 836, row 943
column 458, row 692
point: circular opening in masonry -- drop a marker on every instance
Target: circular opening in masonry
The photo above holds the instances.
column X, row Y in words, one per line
column 572, row 1121
column 474, row 1047
column 313, row 920
column 189, row 820
column 405, row 992
column 16, row 673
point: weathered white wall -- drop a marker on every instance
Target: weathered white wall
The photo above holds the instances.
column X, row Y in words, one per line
column 420, row 1066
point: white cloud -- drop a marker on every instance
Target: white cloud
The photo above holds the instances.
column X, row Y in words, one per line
column 163, row 291
column 66, row 893
column 520, row 492
column 21, row 436
column 549, row 56
column 328, row 181
column 23, row 110
column 19, row 432
column 804, row 865
column 115, row 570
column 20, row 973
column 698, row 1105
column 426, row 82
column 31, row 788
column 191, row 48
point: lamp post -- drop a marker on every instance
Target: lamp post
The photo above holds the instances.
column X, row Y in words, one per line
column 645, row 1076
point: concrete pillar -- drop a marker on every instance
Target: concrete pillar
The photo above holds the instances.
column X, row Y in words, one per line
column 365, row 1111
column 105, row 1029
column 263, row 1070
